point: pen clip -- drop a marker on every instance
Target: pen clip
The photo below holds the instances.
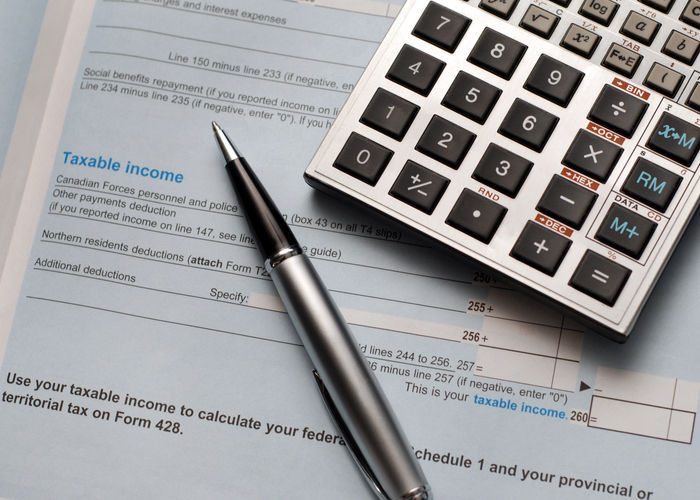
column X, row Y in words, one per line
column 349, row 441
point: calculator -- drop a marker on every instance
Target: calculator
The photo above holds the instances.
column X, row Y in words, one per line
column 555, row 142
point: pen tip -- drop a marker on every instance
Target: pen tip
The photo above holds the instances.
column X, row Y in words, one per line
column 215, row 126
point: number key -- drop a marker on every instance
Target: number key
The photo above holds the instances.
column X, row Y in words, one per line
column 471, row 97
column 553, row 80
column 445, row 142
column 502, row 170
column 528, row 125
column 497, row 53
column 363, row 159
column 441, row 26
column 415, row 70
column 389, row 113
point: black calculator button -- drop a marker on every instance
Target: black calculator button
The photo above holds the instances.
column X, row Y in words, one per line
column 580, row 41
column 676, row 139
column 553, row 80
column 419, row 187
column 626, row 231
column 566, row 201
column 600, row 11
column 662, row 5
column 441, row 26
column 539, row 21
column 502, row 170
column 497, row 53
column 363, row 159
column 501, row 8
column 390, row 114
column 600, row 277
column 563, row 3
column 471, row 97
column 622, row 60
column 592, row 155
column 618, row 110
column 415, row 70
column 540, row 248
column 691, row 13
column 652, row 185
column 445, row 142
column 476, row 215
column 528, row 125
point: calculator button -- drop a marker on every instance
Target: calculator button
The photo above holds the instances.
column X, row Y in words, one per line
column 363, row 159
column 539, row 21
column 528, row 125
column 681, row 47
column 618, row 110
column 664, row 80
column 501, row 8
column 691, row 13
column 419, row 187
column 497, row 53
column 662, row 5
column 390, row 114
column 601, row 11
column 502, row 170
column 626, row 231
column 600, row 277
column 676, row 139
column 694, row 97
column 441, row 26
column 563, row 3
column 476, row 215
column 566, row 201
column 592, row 155
column 553, row 80
column 652, row 185
column 415, row 70
column 471, row 97
column 540, row 248
column 580, row 41
column 621, row 60
column 445, row 142
column 640, row 28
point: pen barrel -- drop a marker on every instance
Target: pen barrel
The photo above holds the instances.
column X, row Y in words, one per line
column 350, row 382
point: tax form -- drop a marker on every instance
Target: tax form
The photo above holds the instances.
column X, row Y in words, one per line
column 145, row 353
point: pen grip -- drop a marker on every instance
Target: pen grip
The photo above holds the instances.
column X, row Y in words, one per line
column 350, row 382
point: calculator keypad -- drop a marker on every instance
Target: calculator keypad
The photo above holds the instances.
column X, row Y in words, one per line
column 557, row 150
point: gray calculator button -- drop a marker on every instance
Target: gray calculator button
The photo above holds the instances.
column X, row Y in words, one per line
column 652, row 185
column 497, row 53
column 445, row 142
column 640, row 28
column 415, row 70
column 664, row 79
column 389, row 113
column 601, row 11
column 691, row 13
column 681, row 47
column 662, row 5
column 553, row 80
column 441, row 26
column 626, row 231
column 539, row 21
column 566, row 201
column 476, row 215
column 471, row 97
column 592, row 155
column 600, row 277
column 363, row 159
column 621, row 60
column 617, row 110
column 419, row 187
column 694, row 97
column 675, row 138
column 540, row 248
column 501, row 8
column 528, row 125
column 580, row 40
column 502, row 170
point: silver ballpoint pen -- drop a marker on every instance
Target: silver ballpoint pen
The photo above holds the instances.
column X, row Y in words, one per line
column 348, row 387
